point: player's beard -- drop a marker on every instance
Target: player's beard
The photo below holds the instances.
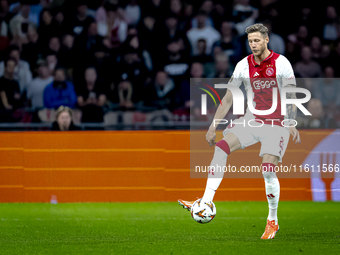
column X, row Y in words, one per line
column 260, row 51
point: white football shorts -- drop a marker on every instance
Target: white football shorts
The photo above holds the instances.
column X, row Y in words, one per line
column 274, row 139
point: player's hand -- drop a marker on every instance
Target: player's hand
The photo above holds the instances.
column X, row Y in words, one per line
column 295, row 134
column 210, row 137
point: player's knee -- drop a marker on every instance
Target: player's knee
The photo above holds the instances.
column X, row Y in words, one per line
column 219, row 153
column 269, row 175
column 268, row 171
column 224, row 146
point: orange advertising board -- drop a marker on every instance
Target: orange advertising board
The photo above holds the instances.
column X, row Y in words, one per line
column 134, row 166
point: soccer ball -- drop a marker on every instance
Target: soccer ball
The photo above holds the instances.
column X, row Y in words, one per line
column 203, row 212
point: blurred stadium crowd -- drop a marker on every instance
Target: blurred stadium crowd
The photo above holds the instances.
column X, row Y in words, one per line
column 130, row 61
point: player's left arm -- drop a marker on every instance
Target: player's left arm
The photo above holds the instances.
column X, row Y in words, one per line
column 291, row 114
column 288, row 80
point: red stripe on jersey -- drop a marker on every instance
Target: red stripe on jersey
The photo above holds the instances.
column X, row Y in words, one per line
column 263, row 80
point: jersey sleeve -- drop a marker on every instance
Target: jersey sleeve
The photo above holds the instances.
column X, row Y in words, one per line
column 285, row 71
column 236, row 78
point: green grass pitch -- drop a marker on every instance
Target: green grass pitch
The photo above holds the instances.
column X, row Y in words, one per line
column 166, row 228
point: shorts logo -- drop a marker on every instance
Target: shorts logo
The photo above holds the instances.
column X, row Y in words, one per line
column 263, row 84
column 270, row 71
column 281, row 143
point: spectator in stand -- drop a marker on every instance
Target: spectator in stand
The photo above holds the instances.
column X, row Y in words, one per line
column 276, row 42
column 125, row 95
column 188, row 14
column 35, row 89
column 301, row 38
column 92, row 98
column 20, row 23
column 132, row 68
column 222, row 67
column 160, row 93
column 176, row 7
column 4, row 40
column 316, row 47
column 132, row 13
column 52, row 61
column 243, row 16
column 60, row 92
column 327, row 90
column 54, row 45
column 335, row 56
column 307, row 68
column 175, row 63
column 326, row 58
column 134, row 42
column 296, row 41
column 206, row 7
column 88, row 40
column 153, row 8
column 5, row 15
column 59, row 17
column 331, row 30
column 229, row 43
column 3, row 27
column 104, row 63
column 9, row 88
column 64, row 120
column 36, row 7
column 171, row 32
column 318, row 119
column 115, row 26
column 202, row 57
column 85, row 46
column 196, row 71
column 270, row 10
column 220, row 12
column 48, row 27
column 183, row 92
column 31, row 49
column 149, row 36
column 22, row 72
column 307, row 16
column 210, row 34
column 66, row 54
column 77, row 24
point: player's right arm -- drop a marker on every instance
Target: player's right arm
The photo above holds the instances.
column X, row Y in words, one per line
column 221, row 112
column 227, row 101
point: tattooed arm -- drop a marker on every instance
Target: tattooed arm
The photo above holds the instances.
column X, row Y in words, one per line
column 291, row 108
column 291, row 114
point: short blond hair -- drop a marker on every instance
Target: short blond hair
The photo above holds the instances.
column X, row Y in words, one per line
column 258, row 27
column 63, row 109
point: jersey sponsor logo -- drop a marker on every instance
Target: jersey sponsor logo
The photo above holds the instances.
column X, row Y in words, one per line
column 263, row 84
column 270, row 71
column 256, row 74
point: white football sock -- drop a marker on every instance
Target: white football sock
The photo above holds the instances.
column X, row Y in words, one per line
column 215, row 178
column 272, row 193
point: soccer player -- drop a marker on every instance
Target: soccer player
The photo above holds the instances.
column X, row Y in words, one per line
column 260, row 72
